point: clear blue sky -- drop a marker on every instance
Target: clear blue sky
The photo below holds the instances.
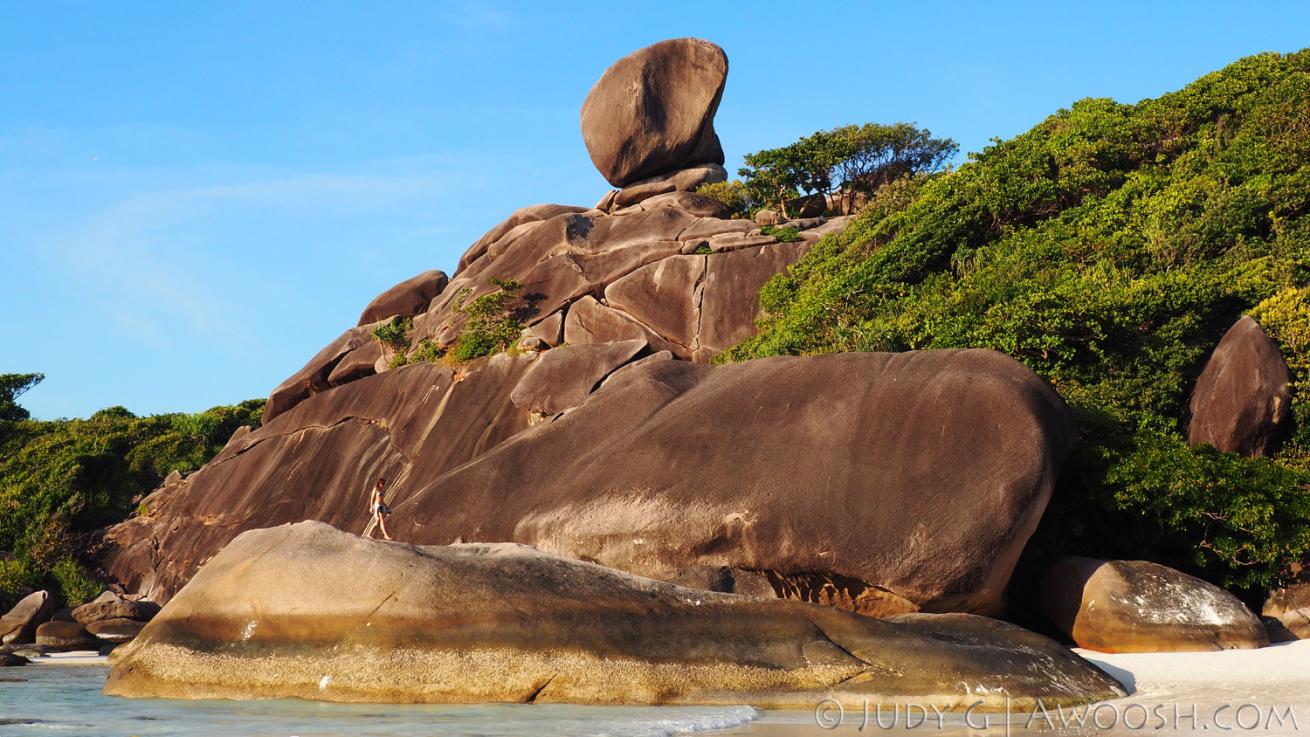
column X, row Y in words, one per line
column 195, row 197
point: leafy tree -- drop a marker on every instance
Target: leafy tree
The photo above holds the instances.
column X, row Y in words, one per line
column 1108, row 249
column 13, row 386
column 847, row 160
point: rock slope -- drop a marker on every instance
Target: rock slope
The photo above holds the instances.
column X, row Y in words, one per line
column 312, row 612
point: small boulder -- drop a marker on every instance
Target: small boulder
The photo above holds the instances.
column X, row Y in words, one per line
column 562, row 378
column 112, row 605
column 652, row 112
column 115, row 630
column 19, row 624
column 407, row 298
column 1287, row 610
column 767, row 217
column 1133, row 606
column 66, row 636
column 9, row 660
column 1244, row 398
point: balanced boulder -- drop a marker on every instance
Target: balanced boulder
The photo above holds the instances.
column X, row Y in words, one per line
column 1243, row 398
column 1132, row 606
column 370, row 621
column 19, row 624
column 652, row 112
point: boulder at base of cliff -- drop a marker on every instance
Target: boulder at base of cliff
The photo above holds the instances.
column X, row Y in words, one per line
column 1244, row 398
column 1289, row 608
column 1133, row 606
column 19, row 624
column 115, row 631
column 652, row 112
column 371, row 621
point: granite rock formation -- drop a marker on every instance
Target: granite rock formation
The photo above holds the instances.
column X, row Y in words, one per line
column 1131, row 606
column 311, row 612
column 1243, row 398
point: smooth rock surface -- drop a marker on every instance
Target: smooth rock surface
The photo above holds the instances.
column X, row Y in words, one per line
column 365, row 620
column 746, row 466
column 1243, row 399
column 407, row 298
column 112, row 605
column 1134, row 606
column 65, row 636
column 115, row 630
column 652, row 112
column 19, row 624
column 563, row 377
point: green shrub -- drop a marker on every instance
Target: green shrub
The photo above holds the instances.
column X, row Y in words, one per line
column 75, row 584
column 490, row 323
column 394, row 333
column 781, row 233
column 732, row 194
column 1109, row 248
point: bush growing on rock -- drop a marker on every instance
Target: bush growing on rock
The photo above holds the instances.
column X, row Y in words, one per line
column 491, row 326
column 1109, row 248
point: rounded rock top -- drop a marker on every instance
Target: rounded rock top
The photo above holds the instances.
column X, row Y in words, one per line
column 652, row 112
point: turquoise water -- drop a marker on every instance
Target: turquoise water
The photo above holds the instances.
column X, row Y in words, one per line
column 66, row 700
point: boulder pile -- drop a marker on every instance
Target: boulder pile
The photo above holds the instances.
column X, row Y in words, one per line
column 881, row 484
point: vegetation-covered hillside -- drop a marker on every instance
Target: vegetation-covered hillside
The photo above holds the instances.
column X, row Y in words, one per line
column 62, row 479
column 1108, row 248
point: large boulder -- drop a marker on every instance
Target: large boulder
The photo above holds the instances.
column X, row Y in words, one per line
column 364, row 620
column 652, row 112
column 1132, row 606
column 1288, row 610
column 921, row 474
column 407, row 298
column 1243, row 398
column 19, row 624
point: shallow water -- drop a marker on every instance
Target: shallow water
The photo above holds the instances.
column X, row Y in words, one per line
column 45, row 699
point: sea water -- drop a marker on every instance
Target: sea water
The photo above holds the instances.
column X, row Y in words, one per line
column 67, row 700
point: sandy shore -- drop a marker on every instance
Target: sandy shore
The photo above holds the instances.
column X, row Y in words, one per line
column 1265, row 691
column 73, row 657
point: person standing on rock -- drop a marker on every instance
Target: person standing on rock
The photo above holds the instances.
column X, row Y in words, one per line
column 380, row 511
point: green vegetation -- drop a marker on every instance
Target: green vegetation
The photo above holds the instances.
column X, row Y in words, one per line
column 394, row 333
column 732, row 194
column 1108, row 248
column 61, row 480
column 491, row 325
column 781, row 233
column 846, row 161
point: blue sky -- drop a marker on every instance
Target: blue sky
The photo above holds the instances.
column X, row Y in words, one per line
column 196, row 197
